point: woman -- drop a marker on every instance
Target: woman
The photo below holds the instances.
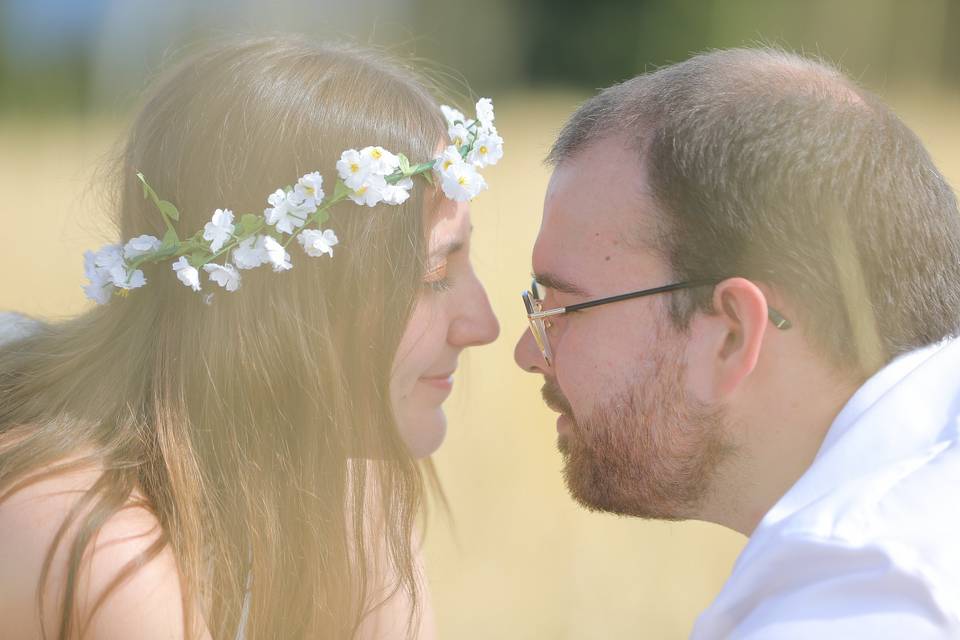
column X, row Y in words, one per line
column 173, row 465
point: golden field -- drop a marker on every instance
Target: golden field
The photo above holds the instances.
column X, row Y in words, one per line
column 519, row 560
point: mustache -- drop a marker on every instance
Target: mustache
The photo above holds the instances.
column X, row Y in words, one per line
column 554, row 398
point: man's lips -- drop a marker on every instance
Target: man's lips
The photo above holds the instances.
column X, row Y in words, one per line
column 554, row 398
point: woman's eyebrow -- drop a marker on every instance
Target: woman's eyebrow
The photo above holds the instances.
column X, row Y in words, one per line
column 450, row 247
column 558, row 284
column 447, row 249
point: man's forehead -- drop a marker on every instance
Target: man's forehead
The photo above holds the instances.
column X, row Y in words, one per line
column 598, row 216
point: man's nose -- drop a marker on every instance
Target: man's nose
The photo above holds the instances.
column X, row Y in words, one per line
column 527, row 354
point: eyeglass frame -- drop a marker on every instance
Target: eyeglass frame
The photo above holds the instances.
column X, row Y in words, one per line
column 537, row 315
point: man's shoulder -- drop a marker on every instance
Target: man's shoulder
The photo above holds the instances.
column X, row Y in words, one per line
column 878, row 552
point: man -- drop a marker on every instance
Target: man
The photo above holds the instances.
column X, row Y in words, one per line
column 783, row 362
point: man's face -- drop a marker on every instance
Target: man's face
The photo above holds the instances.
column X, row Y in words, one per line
column 634, row 441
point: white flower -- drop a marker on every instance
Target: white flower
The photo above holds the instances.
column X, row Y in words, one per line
column 459, row 135
column 381, row 161
column 108, row 265
column 226, row 275
column 397, row 193
column 251, row 253
column 487, row 150
column 276, row 254
column 462, row 182
column 371, row 192
column 101, row 287
column 139, row 246
column 452, row 115
column 353, row 168
column 311, row 186
column 485, row 114
column 289, row 210
column 128, row 280
column 448, row 159
column 317, row 243
column 187, row 274
column 109, row 257
column 219, row 229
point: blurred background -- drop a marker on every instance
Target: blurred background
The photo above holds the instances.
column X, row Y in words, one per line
column 517, row 559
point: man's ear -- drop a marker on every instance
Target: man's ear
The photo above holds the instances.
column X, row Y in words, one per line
column 734, row 334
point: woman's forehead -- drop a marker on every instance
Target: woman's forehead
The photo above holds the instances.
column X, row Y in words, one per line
column 451, row 227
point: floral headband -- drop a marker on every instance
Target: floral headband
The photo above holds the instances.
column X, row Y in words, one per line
column 368, row 177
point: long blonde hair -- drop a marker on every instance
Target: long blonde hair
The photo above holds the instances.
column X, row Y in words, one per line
column 237, row 421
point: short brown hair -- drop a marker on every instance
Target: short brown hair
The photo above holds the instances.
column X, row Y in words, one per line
column 778, row 168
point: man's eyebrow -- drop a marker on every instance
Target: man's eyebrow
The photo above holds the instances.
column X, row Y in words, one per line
column 558, row 284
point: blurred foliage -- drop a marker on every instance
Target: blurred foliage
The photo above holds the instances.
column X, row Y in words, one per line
column 98, row 52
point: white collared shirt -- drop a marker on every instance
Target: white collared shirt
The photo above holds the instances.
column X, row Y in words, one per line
column 866, row 544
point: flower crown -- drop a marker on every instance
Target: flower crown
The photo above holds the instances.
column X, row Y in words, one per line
column 368, row 177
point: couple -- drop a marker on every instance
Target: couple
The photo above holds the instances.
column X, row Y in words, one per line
column 253, row 465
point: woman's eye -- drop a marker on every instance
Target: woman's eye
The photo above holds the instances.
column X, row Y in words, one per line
column 440, row 285
column 437, row 279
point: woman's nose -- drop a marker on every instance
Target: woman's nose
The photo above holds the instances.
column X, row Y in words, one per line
column 475, row 323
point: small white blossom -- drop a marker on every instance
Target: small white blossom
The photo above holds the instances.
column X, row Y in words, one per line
column 397, row 193
column 311, row 186
column 289, row 210
column 276, row 254
column 108, row 265
column 381, row 161
column 353, row 168
column 140, row 245
column 109, row 257
column 219, row 229
column 487, row 150
column 101, row 287
column 129, row 280
column 316, row 243
column 485, row 114
column 226, row 275
column 452, row 115
column 371, row 192
column 459, row 135
column 187, row 274
column 462, row 182
column 250, row 253
column 449, row 158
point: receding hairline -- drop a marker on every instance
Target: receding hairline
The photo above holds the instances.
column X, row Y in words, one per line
column 614, row 111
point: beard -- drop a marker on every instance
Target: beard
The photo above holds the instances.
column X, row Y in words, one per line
column 648, row 451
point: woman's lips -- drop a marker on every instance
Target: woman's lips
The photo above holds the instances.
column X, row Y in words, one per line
column 441, row 382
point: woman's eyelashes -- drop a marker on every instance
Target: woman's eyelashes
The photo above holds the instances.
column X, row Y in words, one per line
column 437, row 279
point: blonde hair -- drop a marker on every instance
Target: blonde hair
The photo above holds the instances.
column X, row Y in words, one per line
column 238, row 421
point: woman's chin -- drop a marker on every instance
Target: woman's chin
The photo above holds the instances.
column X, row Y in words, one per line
column 423, row 432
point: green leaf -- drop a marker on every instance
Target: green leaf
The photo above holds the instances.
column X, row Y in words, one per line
column 249, row 223
column 341, row 190
column 170, row 239
column 322, row 216
column 428, row 176
column 167, row 209
column 404, row 164
column 148, row 191
column 198, row 258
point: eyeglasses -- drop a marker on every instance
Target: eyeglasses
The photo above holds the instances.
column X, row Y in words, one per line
column 539, row 318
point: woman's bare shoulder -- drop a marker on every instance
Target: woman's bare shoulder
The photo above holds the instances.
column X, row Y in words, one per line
column 146, row 604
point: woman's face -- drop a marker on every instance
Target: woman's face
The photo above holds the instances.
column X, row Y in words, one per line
column 452, row 313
